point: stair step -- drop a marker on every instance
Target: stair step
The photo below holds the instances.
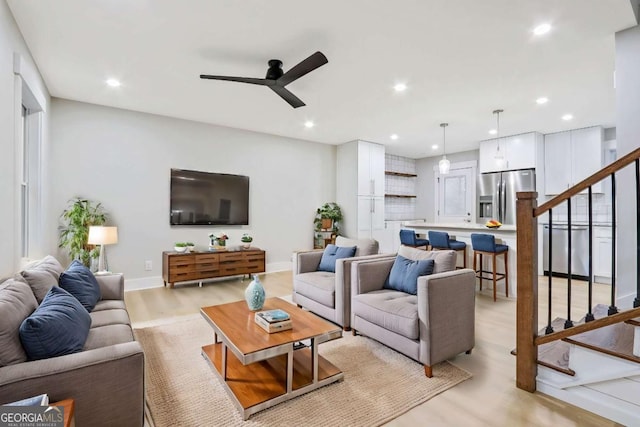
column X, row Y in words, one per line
column 614, row 340
column 634, row 322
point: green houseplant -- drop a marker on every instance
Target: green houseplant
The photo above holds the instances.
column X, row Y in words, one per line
column 79, row 215
column 328, row 216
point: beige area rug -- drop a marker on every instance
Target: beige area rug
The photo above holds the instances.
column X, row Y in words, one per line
column 379, row 383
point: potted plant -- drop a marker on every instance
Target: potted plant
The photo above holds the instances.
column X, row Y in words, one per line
column 328, row 216
column 180, row 247
column 191, row 246
column 220, row 238
column 246, row 239
column 78, row 217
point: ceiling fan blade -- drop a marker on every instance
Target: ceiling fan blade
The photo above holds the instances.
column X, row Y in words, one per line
column 262, row 82
column 293, row 100
column 306, row 66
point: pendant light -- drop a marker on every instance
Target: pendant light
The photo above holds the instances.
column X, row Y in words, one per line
column 444, row 165
column 499, row 157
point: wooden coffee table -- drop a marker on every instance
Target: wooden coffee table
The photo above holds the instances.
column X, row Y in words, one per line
column 263, row 369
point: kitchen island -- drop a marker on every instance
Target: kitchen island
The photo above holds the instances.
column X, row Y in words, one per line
column 461, row 231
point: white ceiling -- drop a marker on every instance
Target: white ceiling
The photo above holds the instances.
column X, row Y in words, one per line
column 460, row 59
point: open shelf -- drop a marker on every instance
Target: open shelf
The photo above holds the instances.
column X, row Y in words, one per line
column 408, row 175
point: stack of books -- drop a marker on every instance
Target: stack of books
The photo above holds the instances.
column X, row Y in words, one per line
column 273, row 320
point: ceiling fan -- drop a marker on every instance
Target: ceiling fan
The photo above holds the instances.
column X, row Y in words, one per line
column 276, row 79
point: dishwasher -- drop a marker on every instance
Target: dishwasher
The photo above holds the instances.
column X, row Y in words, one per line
column 560, row 246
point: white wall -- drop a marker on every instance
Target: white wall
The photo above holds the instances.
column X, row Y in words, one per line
column 11, row 42
column 628, row 139
column 123, row 159
column 425, row 200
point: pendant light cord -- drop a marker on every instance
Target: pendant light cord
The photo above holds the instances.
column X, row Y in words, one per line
column 497, row 113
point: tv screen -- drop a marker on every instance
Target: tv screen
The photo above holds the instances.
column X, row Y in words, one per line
column 203, row 198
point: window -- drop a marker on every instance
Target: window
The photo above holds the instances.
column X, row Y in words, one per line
column 30, row 103
column 24, row 187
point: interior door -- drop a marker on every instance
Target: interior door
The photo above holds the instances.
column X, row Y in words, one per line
column 456, row 194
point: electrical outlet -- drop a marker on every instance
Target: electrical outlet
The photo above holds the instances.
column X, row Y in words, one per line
column 148, row 265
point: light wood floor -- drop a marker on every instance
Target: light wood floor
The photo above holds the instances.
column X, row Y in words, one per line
column 490, row 398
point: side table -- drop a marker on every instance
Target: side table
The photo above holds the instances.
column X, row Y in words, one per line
column 69, row 416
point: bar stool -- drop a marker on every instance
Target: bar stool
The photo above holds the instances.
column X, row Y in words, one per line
column 441, row 240
column 485, row 244
column 409, row 238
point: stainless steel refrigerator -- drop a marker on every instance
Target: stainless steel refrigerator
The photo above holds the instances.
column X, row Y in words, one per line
column 496, row 194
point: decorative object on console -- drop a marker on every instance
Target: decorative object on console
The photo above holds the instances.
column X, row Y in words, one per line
column 191, row 246
column 180, row 247
column 444, row 165
column 254, row 294
column 78, row 217
column 218, row 240
column 246, row 239
column 100, row 235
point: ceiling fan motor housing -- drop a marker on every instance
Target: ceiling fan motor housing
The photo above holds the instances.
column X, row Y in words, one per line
column 275, row 69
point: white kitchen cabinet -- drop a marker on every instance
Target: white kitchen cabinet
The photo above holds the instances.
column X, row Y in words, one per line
column 572, row 156
column 522, row 151
column 602, row 256
column 370, row 169
column 360, row 189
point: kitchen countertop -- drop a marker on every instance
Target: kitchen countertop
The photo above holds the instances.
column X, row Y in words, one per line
column 459, row 226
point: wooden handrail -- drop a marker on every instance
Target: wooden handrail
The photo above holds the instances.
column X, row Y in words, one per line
column 589, row 326
column 588, row 182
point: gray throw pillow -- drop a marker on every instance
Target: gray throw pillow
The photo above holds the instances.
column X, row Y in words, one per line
column 443, row 260
column 40, row 281
column 48, row 264
column 16, row 304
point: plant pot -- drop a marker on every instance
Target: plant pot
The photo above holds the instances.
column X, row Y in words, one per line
column 326, row 223
column 246, row 245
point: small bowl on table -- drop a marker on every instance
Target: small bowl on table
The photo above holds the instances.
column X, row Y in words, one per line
column 493, row 226
column 180, row 249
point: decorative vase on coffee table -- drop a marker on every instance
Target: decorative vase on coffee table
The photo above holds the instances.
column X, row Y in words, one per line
column 254, row 294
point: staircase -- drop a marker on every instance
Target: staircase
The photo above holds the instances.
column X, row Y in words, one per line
column 593, row 363
column 595, row 370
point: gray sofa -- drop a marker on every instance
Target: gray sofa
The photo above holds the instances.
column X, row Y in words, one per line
column 324, row 293
column 430, row 327
column 106, row 379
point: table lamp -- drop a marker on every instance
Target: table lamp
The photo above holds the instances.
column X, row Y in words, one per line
column 100, row 235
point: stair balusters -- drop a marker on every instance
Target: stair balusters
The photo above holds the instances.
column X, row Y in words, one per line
column 549, row 328
column 612, row 308
column 589, row 317
column 568, row 323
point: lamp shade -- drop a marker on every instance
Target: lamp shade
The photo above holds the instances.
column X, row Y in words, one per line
column 99, row 235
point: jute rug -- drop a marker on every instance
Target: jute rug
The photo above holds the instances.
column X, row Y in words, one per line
column 379, row 383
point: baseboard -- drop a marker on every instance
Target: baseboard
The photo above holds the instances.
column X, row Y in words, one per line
column 157, row 282
column 278, row 266
column 143, row 283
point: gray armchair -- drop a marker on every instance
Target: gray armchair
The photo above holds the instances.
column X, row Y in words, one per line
column 430, row 327
column 324, row 293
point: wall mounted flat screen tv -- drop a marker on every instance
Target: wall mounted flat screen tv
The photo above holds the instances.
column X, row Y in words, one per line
column 204, row 198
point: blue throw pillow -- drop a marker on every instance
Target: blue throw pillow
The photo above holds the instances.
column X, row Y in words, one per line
column 331, row 254
column 405, row 272
column 80, row 282
column 59, row 326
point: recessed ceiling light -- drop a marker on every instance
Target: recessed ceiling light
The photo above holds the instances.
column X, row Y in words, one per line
column 567, row 117
column 309, row 124
column 394, row 136
column 434, row 147
column 542, row 100
column 542, row 29
column 400, row 87
column 493, row 132
column 113, row 82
